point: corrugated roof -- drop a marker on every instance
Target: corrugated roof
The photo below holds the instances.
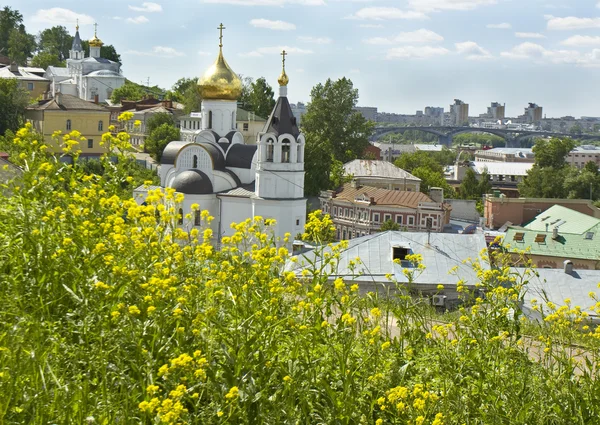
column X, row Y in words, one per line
column 377, row 169
column 444, row 252
column 243, row 115
column 21, row 74
column 245, row 191
column 567, row 220
column 58, row 71
column 67, row 102
column 382, row 196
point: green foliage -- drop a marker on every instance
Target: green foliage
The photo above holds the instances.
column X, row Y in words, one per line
column 261, row 98
column 13, row 101
column 10, row 19
column 473, row 188
column 128, row 91
column 389, row 225
column 45, row 59
column 159, row 119
column 185, row 91
column 553, row 152
column 245, row 101
column 55, row 41
column 425, row 165
column 159, row 138
column 430, row 178
column 20, row 45
column 419, row 159
column 333, row 131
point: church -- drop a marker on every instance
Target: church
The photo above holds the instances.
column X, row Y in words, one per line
column 235, row 181
column 91, row 78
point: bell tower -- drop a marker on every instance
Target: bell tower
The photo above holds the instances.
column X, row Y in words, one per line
column 76, row 52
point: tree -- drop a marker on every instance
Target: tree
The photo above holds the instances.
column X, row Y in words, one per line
column 576, row 129
column 389, row 225
column 13, row 101
column 9, row 20
column 159, row 139
column 411, row 161
column 244, row 100
column 159, row 119
column 430, row 178
column 46, row 59
column 552, row 153
column 333, row 131
column 262, row 101
column 584, row 183
column 20, row 45
column 128, row 91
column 55, row 41
column 109, row 52
column 469, row 187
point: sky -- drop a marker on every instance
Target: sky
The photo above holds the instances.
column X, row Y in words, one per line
column 402, row 55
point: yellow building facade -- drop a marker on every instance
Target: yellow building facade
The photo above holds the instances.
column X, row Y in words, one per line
column 34, row 85
column 67, row 113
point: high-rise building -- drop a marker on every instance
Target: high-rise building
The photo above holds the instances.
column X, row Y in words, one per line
column 533, row 113
column 496, row 111
column 369, row 112
column 460, row 112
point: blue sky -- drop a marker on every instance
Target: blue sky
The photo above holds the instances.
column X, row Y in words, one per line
column 402, row 55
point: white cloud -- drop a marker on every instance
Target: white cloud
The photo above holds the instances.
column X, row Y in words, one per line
column 416, row 52
column 315, row 40
column 581, row 40
column 138, row 20
column 381, row 13
column 148, row 7
column 117, row 18
column 539, row 53
column 371, row 26
column 473, row 51
column 58, row 15
column 275, row 50
column 203, row 53
column 272, row 25
column 529, row 35
column 437, row 5
column 158, row 51
column 268, row 2
column 419, row 36
column 571, row 23
column 501, row 26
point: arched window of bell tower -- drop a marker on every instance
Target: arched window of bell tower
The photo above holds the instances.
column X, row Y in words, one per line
column 210, row 119
column 270, row 150
column 285, row 150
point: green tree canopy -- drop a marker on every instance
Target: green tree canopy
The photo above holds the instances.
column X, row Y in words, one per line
column 159, row 119
column 55, row 41
column 21, row 45
column 333, row 131
column 159, row 139
column 13, row 101
column 46, row 59
column 128, row 91
column 262, row 99
column 419, row 159
column 553, row 152
column 9, row 20
column 389, row 225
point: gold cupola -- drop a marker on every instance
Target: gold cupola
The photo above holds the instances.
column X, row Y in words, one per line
column 95, row 42
column 283, row 79
column 220, row 82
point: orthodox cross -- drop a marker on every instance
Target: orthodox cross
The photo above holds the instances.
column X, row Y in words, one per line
column 221, row 28
column 95, row 29
column 77, row 27
column 284, row 54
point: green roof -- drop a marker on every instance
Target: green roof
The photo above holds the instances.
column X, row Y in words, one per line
column 584, row 246
column 243, row 115
column 567, row 221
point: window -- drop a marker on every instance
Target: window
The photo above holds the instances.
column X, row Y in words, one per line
column 100, row 125
column 90, row 143
column 540, row 238
column 195, row 162
column 334, row 211
column 69, row 125
column 500, row 178
column 180, row 221
column 197, row 217
column 513, row 178
column 285, row 151
column 387, row 217
column 398, row 219
column 297, row 222
column 376, row 217
column 411, row 221
column 519, row 237
column 269, row 152
column 345, row 212
column 209, row 119
column 245, row 127
column 429, row 223
column 30, row 86
column 400, row 253
column 589, row 236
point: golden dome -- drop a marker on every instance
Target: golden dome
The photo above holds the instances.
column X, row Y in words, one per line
column 95, row 42
column 283, row 79
column 220, row 82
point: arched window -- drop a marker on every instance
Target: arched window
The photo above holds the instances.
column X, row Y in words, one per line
column 285, row 150
column 195, row 163
column 197, row 217
column 233, row 120
column 269, row 150
column 100, row 125
column 210, row 119
column 69, row 125
column 180, row 217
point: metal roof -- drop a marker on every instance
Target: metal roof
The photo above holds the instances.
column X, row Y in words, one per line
column 556, row 286
column 58, row 71
column 382, row 196
column 502, row 168
column 67, row 102
column 567, row 220
column 377, row 169
column 21, row 74
column 444, row 252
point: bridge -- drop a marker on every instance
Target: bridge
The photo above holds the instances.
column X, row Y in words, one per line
column 445, row 134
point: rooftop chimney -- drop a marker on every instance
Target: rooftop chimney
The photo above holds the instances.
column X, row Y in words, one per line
column 568, row 267
column 555, row 233
column 354, row 183
column 14, row 67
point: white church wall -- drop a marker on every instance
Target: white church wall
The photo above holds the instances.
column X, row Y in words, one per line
column 163, row 171
column 245, row 175
column 209, row 203
column 223, row 115
column 234, row 210
column 102, row 86
column 273, row 184
column 290, row 215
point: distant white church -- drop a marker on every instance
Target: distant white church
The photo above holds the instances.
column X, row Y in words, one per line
column 232, row 180
column 92, row 78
